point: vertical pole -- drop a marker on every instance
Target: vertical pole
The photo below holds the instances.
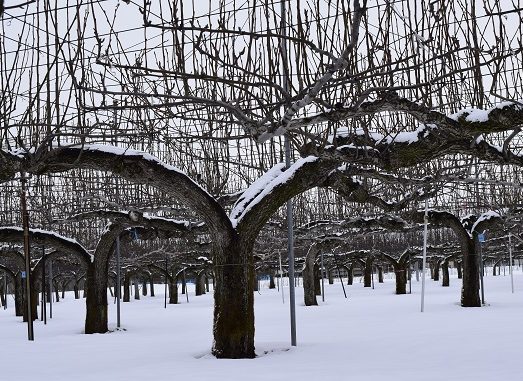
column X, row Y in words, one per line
column 322, row 279
column 5, row 290
column 118, row 282
column 166, row 280
column 481, row 273
column 44, row 294
column 290, row 238
column 50, row 289
column 410, row 276
column 281, row 280
column 185, row 282
column 425, row 221
column 510, row 261
column 25, row 224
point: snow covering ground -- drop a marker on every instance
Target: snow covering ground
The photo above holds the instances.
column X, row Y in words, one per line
column 372, row 335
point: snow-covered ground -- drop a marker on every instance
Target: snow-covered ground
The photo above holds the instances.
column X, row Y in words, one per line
column 372, row 335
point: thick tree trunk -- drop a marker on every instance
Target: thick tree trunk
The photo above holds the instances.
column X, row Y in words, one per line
column 470, row 288
column 380, row 274
column 199, row 285
column 350, row 275
column 272, row 285
column 19, row 295
column 401, row 280
column 95, row 286
column 173, row 292
column 309, row 290
column 136, row 289
column 233, row 297
column 330, row 276
column 206, row 279
column 255, row 283
column 56, row 293
column 436, row 271
column 151, row 283
column 184, row 286
column 445, row 274
column 76, row 292
column 144, row 287
column 126, row 289
column 367, row 276
column 460, row 270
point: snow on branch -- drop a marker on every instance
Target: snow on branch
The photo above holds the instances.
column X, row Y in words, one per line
column 44, row 237
column 261, row 188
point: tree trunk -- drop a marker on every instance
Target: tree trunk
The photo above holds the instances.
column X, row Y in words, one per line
column 56, row 293
column 445, row 274
column 206, row 279
column 144, row 287
column 136, row 289
column 436, row 271
column 173, row 292
column 367, row 277
column 401, row 280
column 126, row 288
column 459, row 269
column 255, row 283
column 380, row 274
column 350, row 275
column 272, row 285
column 184, row 285
column 199, row 285
column 470, row 289
column 309, row 292
column 330, row 276
column 151, row 283
column 233, row 297
column 95, row 286
column 76, row 292
column 19, row 295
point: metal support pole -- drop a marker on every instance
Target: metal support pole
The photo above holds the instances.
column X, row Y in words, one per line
column 27, row 254
column 50, row 290
column 5, row 290
column 481, row 273
column 118, row 282
column 510, row 261
column 425, row 221
column 322, row 279
column 44, row 294
column 281, row 279
column 290, row 238
column 166, row 280
column 185, row 282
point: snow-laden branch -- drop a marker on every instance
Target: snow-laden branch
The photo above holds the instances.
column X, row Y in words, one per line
column 48, row 238
column 137, row 167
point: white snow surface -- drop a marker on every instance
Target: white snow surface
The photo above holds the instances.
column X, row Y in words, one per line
column 264, row 185
column 373, row 335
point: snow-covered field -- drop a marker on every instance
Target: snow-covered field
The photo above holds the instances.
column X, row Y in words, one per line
column 372, row 335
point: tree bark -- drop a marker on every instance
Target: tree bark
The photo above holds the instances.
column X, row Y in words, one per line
column 126, row 288
column 445, row 274
column 470, row 288
column 19, row 295
column 460, row 270
column 380, row 274
column 136, row 289
column 350, row 275
column 436, row 270
column 401, row 280
column 151, row 283
column 173, row 291
column 309, row 294
column 272, row 285
column 233, row 306
column 367, row 277
column 144, row 287
column 317, row 280
column 330, row 276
